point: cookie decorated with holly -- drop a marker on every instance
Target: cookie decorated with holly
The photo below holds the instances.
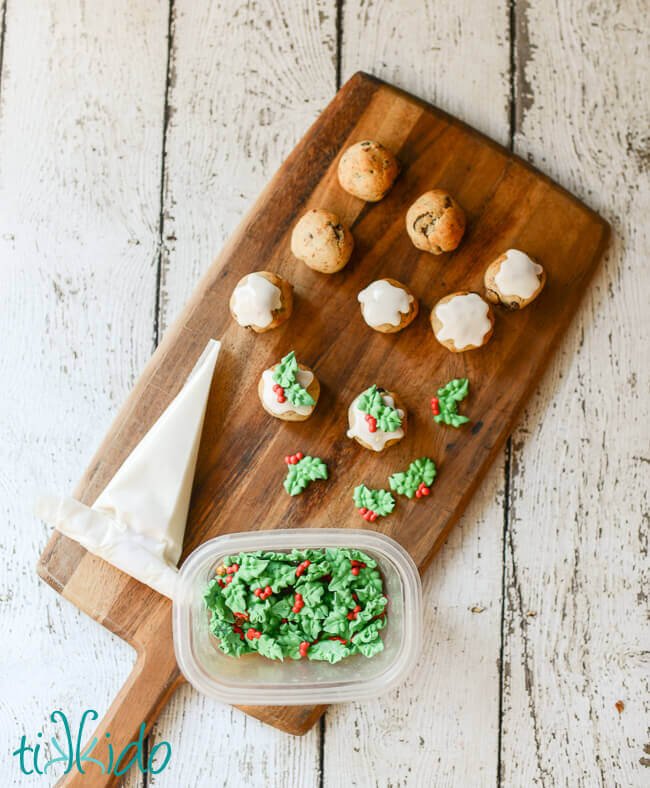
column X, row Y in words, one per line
column 289, row 390
column 377, row 419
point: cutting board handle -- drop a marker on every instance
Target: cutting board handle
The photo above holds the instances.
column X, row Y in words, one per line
column 153, row 679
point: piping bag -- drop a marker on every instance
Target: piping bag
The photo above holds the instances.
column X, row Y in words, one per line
column 138, row 522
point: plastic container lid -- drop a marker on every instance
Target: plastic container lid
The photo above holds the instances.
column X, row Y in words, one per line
column 255, row 680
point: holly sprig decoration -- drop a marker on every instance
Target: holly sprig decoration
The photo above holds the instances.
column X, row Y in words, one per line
column 286, row 385
column 416, row 481
column 303, row 470
column 372, row 404
column 445, row 405
column 373, row 503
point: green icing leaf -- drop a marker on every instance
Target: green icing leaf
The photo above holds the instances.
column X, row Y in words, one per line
column 235, row 597
column 269, row 647
column 298, row 395
column 379, row 501
column 448, row 398
column 330, row 650
column 309, row 469
column 371, row 402
column 286, row 371
column 371, row 648
column 421, row 471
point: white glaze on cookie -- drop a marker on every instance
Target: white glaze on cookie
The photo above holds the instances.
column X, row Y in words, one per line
column 517, row 275
column 254, row 301
column 303, row 376
column 382, row 303
column 359, row 427
column 465, row 320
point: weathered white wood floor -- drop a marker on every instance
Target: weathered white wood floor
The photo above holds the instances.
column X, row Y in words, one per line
column 133, row 135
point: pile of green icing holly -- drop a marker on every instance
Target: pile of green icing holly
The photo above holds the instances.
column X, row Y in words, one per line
column 323, row 604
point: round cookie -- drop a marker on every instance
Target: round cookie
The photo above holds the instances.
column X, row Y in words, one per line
column 277, row 401
column 367, row 170
column 387, row 305
column 322, row 241
column 514, row 279
column 365, row 429
column 435, row 222
column 261, row 301
column 462, row 321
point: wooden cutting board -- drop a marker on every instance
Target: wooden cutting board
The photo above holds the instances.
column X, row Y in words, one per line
column 240, row 467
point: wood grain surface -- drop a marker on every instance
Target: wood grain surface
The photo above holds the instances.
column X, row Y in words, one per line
column 507, row 204
column 81, row 162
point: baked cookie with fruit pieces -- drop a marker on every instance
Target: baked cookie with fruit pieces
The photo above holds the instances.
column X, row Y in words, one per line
column 367, row 170
column 387, row 305
column 514, row 279
column 289, row 390
column 261, row 301
column 321, row 241
column 376, row 419
column 435, row 222
column 462, row 321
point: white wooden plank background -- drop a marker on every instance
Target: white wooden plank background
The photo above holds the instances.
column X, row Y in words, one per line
column 132, row 138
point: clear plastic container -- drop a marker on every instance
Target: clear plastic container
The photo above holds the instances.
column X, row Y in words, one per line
column 255, row 680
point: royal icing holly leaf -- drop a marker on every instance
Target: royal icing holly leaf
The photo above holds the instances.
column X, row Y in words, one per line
column 286, row 371
column 419, row 472
column 330, row 650
column 298, row 395
column 309, row 469
column 379, row 501
column 448, row 398
column 372, row 403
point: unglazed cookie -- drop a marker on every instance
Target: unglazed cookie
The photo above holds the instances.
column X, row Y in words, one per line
column 387, row 305
column 376, row 419
column 435, row 222
column 261, row 301
column 462, row 321
column 514, row 280
column 288, row 390
column 322, row 241
column 367, row 170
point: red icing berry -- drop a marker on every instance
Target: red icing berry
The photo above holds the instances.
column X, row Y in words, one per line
column 418, row 493
column 284, row 621
column 351, row 616
column 287, row 459
column 363, row 510
column 303, row 648
column 302, row 567
column 228, row 579
column 435, row 406
column 299, row 455
column 280, row 398
column 425, row 491
column 252, row 634
column 341, row 640
column 372, row 424
column 257, row 591
column 357, row 609
column 267, row 590
column 373, row 517
column 221, row 583
column 355, row 570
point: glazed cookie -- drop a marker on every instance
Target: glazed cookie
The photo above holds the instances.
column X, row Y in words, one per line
column 376, row 419
column 367, row 170
column 322, row 241
column 288, row 390
column 387, row 305
column 435, row 222
column 462, row 321
column 261, row 301
column 514, row 280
